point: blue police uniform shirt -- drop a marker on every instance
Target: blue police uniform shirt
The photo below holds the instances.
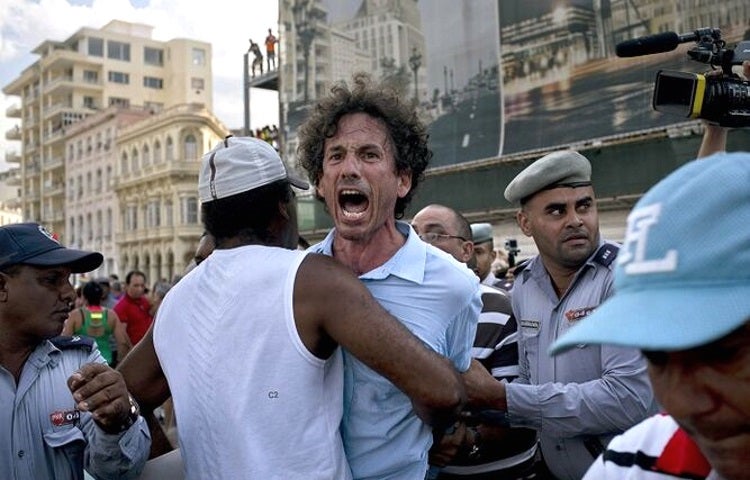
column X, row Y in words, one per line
column 580, row 399
column 439, row 301
column 44, row 437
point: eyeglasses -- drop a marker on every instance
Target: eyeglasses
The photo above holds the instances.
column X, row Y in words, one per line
column 432, row 237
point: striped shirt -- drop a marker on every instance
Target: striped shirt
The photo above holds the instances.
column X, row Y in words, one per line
column 655, row 449
column 496, row 348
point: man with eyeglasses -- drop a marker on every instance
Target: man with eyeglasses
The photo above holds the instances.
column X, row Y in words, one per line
column 480, row 450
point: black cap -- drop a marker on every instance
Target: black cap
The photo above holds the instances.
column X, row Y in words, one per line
column 32, row 244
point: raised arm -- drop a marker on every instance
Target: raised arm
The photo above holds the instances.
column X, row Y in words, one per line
column 332, row 306
column 715, row 137
column 147, row 383
column 121, row 334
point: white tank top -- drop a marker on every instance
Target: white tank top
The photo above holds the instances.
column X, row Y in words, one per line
column 250, row 400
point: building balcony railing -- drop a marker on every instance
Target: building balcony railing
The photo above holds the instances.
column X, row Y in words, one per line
column 56, row 108
column 62, row 81
column 31, row 196
column 11, row 156
column 13, row 203
column 54, row 134
column 52, row 215
column 14, row 177
column 13, row 134
column 51, row 163
column 53, row 188
column 14, row 111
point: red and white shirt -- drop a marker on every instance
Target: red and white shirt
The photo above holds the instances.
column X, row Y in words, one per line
column 655, row 449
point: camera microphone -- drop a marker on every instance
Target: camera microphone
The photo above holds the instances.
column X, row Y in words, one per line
column 661, row 42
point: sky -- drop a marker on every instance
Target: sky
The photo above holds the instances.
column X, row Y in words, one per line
column 226, row 24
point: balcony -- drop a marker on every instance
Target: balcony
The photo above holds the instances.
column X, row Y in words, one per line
column 53, row 189
column 14, row 177
column 13, row 203
column 54, row 135
column 52, row 163
column 11, row 156
column 13, row 134
column 61, row 83
column 32, row 169
column 14, row 111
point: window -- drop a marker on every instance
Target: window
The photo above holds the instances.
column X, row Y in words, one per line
column 96, row 47
column 89, row 228
column 153, row 56
column 189, row 210
column 118, row 77
column 131, row 219
column 89, row 102
column 153, row 213
column 146, row 154
column 199, row 56
column 98, row 181
column 157, row 152
column 118, row 50
column 124, row 163
column 170, row 150
column 134, row 161
column 108, row 225
column 168, row 213
column 153, row 82
column 191, row 148
column 120, row 102
column 197, row 83
column 99, row 225
column 153, row 107
column 90, row 76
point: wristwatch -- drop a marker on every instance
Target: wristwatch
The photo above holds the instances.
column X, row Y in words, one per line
column 133, row 412
column 475, row 450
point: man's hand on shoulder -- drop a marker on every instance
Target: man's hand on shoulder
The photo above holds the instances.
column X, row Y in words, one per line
column 100, row 390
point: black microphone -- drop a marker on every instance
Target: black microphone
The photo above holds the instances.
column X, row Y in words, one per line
column 661, row 42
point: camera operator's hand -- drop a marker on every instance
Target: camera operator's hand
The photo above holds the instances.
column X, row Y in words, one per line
column 715, row 136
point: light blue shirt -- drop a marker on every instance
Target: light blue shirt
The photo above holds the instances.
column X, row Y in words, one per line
column 43, row 437
column 439, row 300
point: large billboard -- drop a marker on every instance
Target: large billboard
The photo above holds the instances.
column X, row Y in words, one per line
column 495, row 77
column 562, row 81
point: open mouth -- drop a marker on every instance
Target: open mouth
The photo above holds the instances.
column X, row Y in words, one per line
column 353, row 204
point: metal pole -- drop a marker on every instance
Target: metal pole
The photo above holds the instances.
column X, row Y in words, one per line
column 246, row 94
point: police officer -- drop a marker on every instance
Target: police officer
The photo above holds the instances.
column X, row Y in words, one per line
column 62, row 409
column 579, row 400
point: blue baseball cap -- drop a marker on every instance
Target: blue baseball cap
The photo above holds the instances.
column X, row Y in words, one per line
column 682, row 277
column 32, row 244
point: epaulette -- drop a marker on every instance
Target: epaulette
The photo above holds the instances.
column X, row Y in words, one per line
column 520, row 266
column 64, row 342
column 606, row 254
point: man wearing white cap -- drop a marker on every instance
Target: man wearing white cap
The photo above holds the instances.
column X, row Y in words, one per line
column 247, row 342
column 683, row 297
column 577, row 401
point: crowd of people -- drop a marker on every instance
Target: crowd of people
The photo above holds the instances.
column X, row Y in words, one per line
column 389, row 350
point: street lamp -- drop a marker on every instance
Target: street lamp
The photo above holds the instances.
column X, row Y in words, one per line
column 415, row 61
column 306, row 33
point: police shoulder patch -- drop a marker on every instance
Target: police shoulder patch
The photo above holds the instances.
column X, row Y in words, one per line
column 606, row 254
column 70, row 342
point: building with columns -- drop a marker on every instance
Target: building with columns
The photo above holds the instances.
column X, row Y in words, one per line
column 158, row 159
column 91, row 203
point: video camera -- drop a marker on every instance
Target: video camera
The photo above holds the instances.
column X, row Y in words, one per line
column 724, row 99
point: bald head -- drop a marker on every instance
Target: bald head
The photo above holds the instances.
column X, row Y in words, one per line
column 446, row 229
